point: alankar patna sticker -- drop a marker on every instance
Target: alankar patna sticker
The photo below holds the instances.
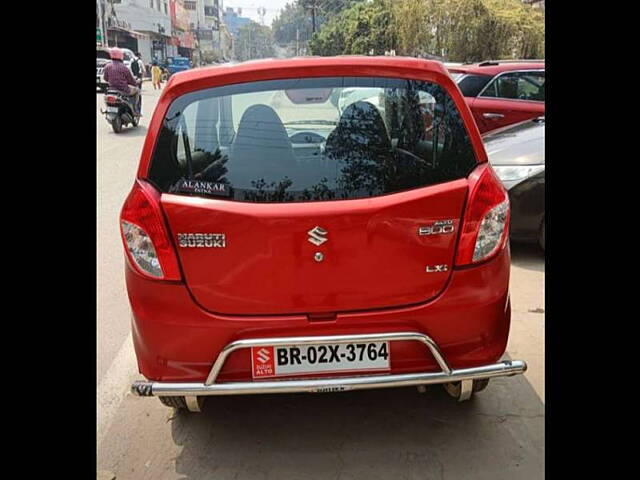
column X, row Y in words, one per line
column 202, row 187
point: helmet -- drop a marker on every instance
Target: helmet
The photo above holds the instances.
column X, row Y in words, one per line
column 116, row 54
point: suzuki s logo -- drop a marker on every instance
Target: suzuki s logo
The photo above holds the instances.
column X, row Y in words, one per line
column 263, row 355
column 317, row 236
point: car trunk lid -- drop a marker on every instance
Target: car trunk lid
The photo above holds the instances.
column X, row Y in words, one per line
column 303, row 258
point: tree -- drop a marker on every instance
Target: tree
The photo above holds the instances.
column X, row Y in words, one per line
column 254, row 41
column 294, row 23
column 365, row 28
column 469, row 30
column 455, row 30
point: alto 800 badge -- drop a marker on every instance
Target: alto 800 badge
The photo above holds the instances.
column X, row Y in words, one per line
column 439, row 227
column 202, row 240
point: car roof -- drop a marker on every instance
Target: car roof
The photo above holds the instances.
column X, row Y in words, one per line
column 494, row 67
column 277, row 66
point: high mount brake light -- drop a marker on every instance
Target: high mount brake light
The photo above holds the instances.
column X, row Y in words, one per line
column 145, row 236
column 485, row 227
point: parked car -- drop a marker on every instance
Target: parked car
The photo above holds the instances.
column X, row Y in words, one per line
column 129, row 57
column 102, row 58
column 178, row 64
column 503, row 92
column 517, row 155
column 278, row 242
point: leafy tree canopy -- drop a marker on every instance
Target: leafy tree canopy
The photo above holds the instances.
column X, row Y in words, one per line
column 456, row 30
column 254, row 41
column 297, row 15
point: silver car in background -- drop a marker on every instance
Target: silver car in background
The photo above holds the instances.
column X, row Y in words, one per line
column 516, row 153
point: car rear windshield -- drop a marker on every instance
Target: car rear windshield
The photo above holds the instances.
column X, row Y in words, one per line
column 472, row 85
column 311, row 139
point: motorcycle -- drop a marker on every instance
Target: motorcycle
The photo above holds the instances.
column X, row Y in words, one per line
column 120, row 110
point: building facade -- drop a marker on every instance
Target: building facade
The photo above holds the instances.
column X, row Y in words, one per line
column 234, row 21
column 151, row 19
column 160, row 29
column 182, row 36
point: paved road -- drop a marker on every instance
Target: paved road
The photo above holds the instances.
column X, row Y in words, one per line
column 117, row 161
column 354, row 435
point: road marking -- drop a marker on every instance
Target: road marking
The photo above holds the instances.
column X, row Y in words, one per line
column 115, row 386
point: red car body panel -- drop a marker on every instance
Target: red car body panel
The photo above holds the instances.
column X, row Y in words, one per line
column 512, row 110
column 177, row 340
column 180, row 327
column 374, row 258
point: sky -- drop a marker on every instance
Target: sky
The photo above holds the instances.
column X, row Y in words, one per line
column 250, row 8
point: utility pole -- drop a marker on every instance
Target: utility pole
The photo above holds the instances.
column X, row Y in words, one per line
column 100, row 16
column 103, row 22
column 313, row 16
column 297, row 42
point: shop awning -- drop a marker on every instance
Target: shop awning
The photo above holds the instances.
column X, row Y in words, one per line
column 132, row 33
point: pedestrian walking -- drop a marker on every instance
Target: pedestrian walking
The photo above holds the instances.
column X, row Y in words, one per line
column 135, row 68
column 140, row 66
column 156, row 76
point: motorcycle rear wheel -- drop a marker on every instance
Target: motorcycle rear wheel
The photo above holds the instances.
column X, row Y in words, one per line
column 116, row 124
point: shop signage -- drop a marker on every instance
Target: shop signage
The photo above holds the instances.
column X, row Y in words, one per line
column 204, row 34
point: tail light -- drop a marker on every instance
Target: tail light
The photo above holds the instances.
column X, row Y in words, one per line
column 111, row 99
column 145, row 235
column 485, row 228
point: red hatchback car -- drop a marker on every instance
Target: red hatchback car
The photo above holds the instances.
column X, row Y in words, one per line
column 316, row 225
column 502, row 93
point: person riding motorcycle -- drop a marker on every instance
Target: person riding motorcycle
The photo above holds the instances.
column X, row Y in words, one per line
column 119, row 77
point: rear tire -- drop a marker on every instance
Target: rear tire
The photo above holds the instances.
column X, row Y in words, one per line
column 116, row 124
column 454, row 389
column 479, row 385
column 179, row 403
column 541, row 238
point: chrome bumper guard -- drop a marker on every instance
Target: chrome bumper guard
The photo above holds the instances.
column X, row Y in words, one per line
column 333, row 384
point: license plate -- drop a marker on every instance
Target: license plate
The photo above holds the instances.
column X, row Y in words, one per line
column 112, row 109
column 276, row 361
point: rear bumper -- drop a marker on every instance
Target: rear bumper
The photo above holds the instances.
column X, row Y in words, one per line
column 446, row 375
column 177, row 341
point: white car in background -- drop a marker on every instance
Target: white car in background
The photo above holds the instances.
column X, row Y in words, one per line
column 103, row 57
column 372, row 95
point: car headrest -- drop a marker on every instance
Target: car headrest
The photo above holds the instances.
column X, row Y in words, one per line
column 260, row 128
column 360, row 131
column 261, row 148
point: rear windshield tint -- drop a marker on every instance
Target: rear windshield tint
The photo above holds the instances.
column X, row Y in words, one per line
column 311, row 139
column 472, row 85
